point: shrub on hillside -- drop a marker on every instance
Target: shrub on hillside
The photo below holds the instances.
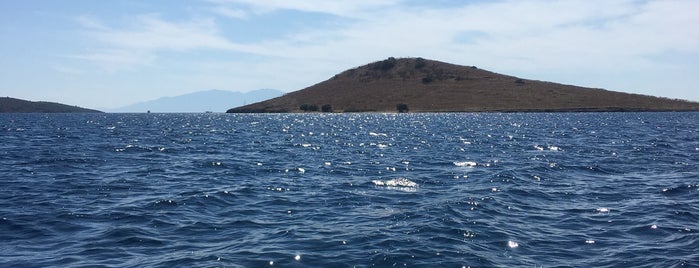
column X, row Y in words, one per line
column 327, row 108
column 402, row 108
column 309, row 107
column 419, row 63
column 385, row 65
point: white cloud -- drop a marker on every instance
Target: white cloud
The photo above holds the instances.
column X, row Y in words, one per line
column 152, row 33
column 90, row 23
column 116, row 60
column 571, row 39
column 562, row 34
column 230, row 12
column 344, row 8
column 148, row 35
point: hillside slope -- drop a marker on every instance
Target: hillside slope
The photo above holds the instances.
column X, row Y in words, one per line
column 12, row 105
column 431, row 86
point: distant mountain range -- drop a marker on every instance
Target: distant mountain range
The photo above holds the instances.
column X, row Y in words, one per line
column 199, row 102
column 421, row 85
column 12, row 105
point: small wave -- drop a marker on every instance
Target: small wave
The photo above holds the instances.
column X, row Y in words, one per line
column 465, row 164
column 399, row 182
column 133, row 148
column 299, row 170
column 379, row 145
column 512, row 244
column 679, row 190
column 602, row 210
column 550, row 148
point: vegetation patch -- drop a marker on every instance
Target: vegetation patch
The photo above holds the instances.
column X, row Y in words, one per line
column 402, row 108
column 384, row 65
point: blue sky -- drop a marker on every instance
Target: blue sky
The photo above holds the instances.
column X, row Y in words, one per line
column 111, row 53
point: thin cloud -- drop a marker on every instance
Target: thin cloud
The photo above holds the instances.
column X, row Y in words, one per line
column 90, row 23
column 153, row 33
column 230, row 12
column 67, row 70
column 148, row 35
column 343, row 8
column 116, row 60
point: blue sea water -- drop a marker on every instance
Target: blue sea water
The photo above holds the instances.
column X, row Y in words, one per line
column 350, row 190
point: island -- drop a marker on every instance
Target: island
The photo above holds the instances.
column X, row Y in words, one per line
column 422, row 85
column 12, row 105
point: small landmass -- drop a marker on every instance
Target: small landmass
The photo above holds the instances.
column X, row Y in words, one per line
column 421, row 85
column 12, row 105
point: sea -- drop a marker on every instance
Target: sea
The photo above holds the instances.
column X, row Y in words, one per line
column 350, row 190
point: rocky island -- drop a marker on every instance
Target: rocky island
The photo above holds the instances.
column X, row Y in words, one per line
column 12, row 105
column 421, row 85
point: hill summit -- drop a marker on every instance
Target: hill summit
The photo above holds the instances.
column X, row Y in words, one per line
column 421, row 85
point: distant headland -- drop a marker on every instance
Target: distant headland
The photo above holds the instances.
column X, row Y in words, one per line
column 421, row 85
column 12, row 105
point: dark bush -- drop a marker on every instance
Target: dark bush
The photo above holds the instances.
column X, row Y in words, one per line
column 402, row 108
column 419, row 63
column 327, row 108
column 384, row 65
column 427, row 79
column 309, row 107
column 519, row 81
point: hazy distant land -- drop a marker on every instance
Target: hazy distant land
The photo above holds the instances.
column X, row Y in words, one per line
column 12, row 105
column 199, row 102
column 421, row 85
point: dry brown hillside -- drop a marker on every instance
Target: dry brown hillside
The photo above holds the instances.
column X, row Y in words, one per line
column 12, row 105
column 421, row 85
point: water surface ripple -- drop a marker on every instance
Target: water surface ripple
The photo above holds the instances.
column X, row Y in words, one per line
column 349, row 190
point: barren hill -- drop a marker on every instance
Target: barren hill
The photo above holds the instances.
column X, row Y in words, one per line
column 12, row 105
column 421, row 85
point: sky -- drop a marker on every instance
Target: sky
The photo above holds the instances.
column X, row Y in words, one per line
column 111, row 53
